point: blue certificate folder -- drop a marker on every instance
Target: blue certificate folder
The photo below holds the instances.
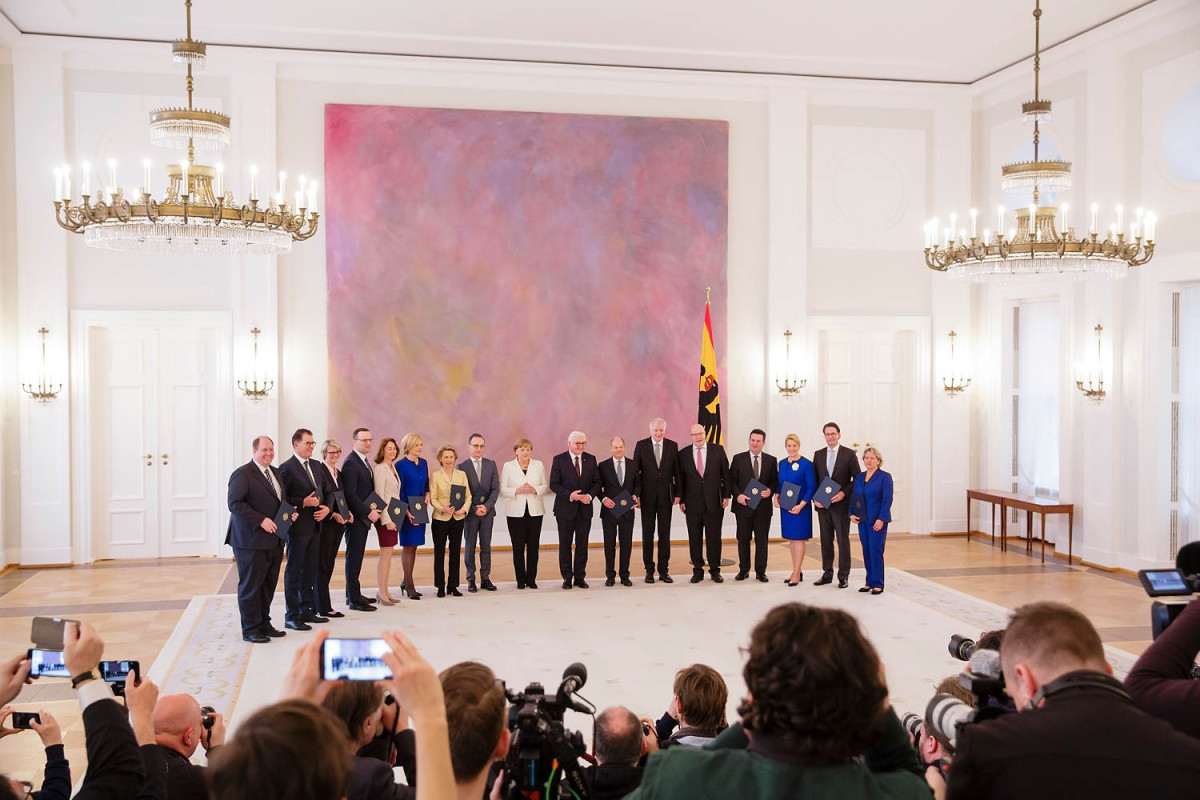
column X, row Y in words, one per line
column 622, row 504
column 283, row 519
column 789, row 496
column 753, row 492
column 858, row 505
column 826, row 492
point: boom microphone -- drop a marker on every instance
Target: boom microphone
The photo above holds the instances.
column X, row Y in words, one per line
column 574, row 677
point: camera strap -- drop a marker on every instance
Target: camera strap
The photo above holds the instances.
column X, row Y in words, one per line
column 1079, row 679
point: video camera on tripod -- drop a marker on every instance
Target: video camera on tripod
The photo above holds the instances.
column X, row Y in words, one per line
column 543, row 757
column 1183, row 581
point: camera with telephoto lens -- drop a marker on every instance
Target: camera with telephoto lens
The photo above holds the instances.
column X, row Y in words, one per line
column 912, row 722
column 543, row 757
column 961, row 647
column 207, row 718
column 1181, row 582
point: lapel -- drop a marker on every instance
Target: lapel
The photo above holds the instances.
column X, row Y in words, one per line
column 263, row 478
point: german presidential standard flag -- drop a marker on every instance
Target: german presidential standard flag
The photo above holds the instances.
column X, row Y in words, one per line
column 709, row 414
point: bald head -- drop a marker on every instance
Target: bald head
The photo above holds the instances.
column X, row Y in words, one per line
column 178, row 723
column 619, row 737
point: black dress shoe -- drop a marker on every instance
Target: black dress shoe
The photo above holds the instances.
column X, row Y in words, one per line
column 665, row 578
column 865, row 589
column 610, row 582
column 581, row 583
column 843, row 584
column 471, row 587
column 824, row 579
column 360, row 606
column 741, row 576
column 877, row 590
column 371, row 600
column 255, row 638
column 317, row 618
column 649, row 578
column 454, row 592
column 441, row 592
column 567, row 583
column 272, row 631
column 761, row 578
column 488, row 586
column 520, row 585
column 626, row 582
column 716, row 576
column 297, row 625
column 697, row 577
column 532, row 584
column 333, row 614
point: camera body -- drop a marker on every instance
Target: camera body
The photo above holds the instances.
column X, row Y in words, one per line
column 540, row 740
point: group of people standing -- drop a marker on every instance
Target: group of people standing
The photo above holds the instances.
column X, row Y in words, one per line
column 461, row 498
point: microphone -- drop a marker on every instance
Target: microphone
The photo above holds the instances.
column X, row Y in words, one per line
column 574, row 677
column 985, row 662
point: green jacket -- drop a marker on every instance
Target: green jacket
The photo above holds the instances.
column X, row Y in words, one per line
column 726, row 769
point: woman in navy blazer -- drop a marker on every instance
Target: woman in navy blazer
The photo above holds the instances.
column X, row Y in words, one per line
column 871, row 511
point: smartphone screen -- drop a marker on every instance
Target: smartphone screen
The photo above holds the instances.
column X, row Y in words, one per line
column 354, row 660
column 21, row 719
column 116, row 671
column 1159, row 582
column 47, row 663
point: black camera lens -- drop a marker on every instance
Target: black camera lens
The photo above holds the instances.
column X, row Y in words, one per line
column 961, row 647
column 206, row 715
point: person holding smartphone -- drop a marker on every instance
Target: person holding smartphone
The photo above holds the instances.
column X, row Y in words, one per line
column 56, row 778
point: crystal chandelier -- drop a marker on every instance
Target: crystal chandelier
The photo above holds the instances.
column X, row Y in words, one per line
column 197, row 214
column 1043, row 241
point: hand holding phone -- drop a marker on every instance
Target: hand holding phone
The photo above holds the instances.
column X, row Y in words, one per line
column 47, row 664
column 47, row 632
column 117, row 673
column 354, row 660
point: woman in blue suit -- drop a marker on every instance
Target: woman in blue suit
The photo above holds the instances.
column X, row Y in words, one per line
column 871, row 511
column 796, row 523
column 414, row 482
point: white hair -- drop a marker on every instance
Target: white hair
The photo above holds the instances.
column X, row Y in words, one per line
column 574, row 434
column 658, row 421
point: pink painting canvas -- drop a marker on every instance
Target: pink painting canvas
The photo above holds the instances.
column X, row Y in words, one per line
column 520, row 274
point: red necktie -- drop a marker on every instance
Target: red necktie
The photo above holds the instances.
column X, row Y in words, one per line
column 700, row 461
column 578, row 473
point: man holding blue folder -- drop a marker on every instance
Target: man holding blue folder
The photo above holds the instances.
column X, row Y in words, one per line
column 838, row 465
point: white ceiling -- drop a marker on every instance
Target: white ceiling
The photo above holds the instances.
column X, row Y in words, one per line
column 957, row 41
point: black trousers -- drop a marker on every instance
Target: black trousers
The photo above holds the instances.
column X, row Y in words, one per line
column 258, row 575
column 617, row 528
column 704, row 538
column 300, row 575
column 327, row 550
column 356, row 546
column 660, row 515
column 573, row 529
column 756, row 525
column 835, row 522
column 446, row 531
column 526, row 535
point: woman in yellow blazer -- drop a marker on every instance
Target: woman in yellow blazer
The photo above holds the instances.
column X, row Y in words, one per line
column 523, row 483
column 447, row 524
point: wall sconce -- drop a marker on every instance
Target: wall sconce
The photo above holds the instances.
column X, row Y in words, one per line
column 251, row 387
column 1092, row 382
column 955, row 384
column 786, row 382
column 42, row 392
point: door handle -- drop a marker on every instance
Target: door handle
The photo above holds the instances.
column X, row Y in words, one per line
column 149, row 459
column 164, row 459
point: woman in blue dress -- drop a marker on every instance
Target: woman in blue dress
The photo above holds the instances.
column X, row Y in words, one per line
column 796, row 522
column 414, row 482
column 871, row 511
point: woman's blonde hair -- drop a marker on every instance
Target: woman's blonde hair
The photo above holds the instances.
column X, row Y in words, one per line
column 791, row 437
column 522, row 442
column 873, row 449
column 443, row 449
column 410, row 441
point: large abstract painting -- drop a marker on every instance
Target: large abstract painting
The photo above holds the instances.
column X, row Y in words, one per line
column 520, row 274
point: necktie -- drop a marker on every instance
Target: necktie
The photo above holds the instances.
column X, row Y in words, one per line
column 829, row 459
column 756, row 468
column 700, row 461
column 274, row 486
column 621, row 471
column 308, row 469
column 478, row 471
column 577, row 470
column 658, row 454
column 336, row 473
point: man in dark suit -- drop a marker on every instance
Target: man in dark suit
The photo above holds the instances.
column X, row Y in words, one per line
column 358, row 477
column 618, row 475
column 841, row 465
column 302, row 488
column 574, row 480
column 483, row 481
column 657, row 459
column 704, row 492
column 255, row 494
column 753, row 464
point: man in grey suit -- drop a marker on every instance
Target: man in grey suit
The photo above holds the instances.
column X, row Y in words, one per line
column 483, row 480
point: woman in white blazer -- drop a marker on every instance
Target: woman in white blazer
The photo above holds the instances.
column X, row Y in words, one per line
column 523, row 483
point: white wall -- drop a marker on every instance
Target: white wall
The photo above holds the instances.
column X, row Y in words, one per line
column 830, row 182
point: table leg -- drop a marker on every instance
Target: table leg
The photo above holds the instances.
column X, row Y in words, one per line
column 1003, row 525
column 1043, row 537
column 1028, row 532
column 968, row 518
column 1070, row 534
column 994, row 526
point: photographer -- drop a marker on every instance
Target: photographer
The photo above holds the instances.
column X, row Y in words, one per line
column 817, row 702
column 56, row 779
column 621, row 743
column 476, row 717
column 1161, row 681
column 697, row 708
column 1077, row 733
column 360, row 708
column 180, row 727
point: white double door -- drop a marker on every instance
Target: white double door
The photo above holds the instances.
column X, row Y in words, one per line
column 153, row 425
column 868, row 381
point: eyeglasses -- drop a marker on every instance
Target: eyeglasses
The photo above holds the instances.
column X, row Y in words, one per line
column 308, row 444
column 332, row 452
column 367, row 439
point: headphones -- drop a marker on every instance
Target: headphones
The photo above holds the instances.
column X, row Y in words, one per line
column 1079, row 679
